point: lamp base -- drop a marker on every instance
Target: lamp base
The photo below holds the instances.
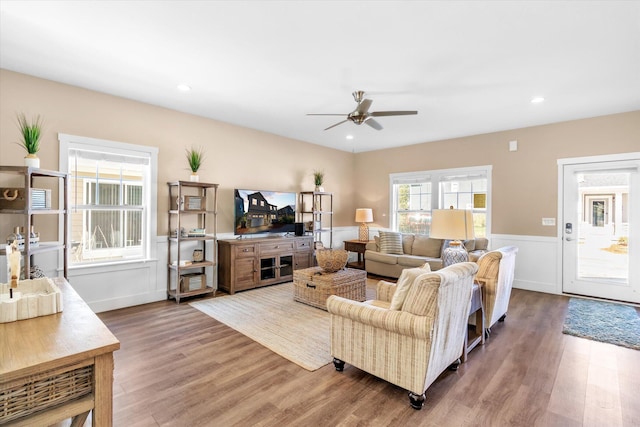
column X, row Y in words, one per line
column 364, row 232
column 454, row 254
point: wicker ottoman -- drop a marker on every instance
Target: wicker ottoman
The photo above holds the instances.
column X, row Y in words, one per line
column 313, row 286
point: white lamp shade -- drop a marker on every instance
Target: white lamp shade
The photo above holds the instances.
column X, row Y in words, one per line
column 364, row 215
column 452, row 224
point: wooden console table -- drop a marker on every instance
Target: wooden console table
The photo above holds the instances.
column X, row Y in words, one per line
column 57, row 367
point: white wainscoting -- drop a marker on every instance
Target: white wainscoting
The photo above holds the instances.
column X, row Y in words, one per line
column 110, row 287
column 537, row 262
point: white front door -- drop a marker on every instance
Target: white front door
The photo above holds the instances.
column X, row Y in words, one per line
column 601, row 228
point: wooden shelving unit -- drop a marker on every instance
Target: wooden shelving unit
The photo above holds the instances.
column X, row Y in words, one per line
column 193, row 205
column 29, row 214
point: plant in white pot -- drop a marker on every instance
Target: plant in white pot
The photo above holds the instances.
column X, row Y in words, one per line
column 195, row 157
column 31, row 132
column 318, row 179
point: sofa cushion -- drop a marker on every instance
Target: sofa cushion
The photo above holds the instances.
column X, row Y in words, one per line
column 481, row 243
column 426, row 246
column 405, row 281
column 411, row 260
column 469, row 245
column 380, row 257
column 391, row 242
column 407, row 242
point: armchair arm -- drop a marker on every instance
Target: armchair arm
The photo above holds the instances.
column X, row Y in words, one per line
column 385, row 290
column 399, row 322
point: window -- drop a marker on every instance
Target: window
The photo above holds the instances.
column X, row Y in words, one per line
column 112, row 192
column 415, row 194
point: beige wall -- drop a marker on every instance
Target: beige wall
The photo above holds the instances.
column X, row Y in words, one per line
column 236, row 157
column 524, row 182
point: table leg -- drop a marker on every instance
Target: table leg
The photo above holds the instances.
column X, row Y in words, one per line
column 103, row 391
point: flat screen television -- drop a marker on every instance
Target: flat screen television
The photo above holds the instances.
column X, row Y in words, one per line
column 258, row 211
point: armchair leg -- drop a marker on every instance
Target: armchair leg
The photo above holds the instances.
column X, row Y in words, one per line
column 339, row 364
column 454, row 365
column 416, row 400
column 501, row 319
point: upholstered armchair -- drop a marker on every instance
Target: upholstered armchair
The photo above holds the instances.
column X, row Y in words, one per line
column 411, row 333
column 495, row 274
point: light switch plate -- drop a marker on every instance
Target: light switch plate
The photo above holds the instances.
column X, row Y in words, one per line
column 548, row 221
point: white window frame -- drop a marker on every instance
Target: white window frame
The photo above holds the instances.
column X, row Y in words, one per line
column 149, row 233
column 436, row 177
column 126, row 252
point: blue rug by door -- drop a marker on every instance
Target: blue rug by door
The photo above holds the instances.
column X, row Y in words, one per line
column 603, row 321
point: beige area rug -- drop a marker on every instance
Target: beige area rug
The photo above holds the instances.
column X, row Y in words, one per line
column 270, row 316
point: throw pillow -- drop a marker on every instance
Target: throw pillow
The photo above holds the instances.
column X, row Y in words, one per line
column 405, row 281
column 391, row 243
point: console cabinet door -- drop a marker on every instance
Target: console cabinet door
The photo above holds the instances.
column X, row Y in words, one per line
column 275, row 269
column 302, row 260
column 245, row 269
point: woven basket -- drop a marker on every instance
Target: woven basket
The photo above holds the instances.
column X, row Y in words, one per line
column 332, row 260
column 26, row 396
column 313, row 286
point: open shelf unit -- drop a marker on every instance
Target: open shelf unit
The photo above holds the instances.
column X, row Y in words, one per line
column 316, row 209
column 29, row 213
column 193, row 204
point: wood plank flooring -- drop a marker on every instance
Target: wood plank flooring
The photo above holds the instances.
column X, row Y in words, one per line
column 179, row 367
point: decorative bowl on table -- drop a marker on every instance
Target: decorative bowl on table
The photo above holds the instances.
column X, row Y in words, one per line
column 332, row 260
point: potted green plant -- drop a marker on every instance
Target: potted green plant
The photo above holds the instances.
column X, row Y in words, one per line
column 195, row 157
column 318, row 179
column 31, row 132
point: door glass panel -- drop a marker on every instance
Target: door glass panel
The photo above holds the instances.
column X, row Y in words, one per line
column 267, row 268
column 286, row 265
column 603, row 227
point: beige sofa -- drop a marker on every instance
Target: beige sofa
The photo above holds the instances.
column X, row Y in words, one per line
column 416, row 250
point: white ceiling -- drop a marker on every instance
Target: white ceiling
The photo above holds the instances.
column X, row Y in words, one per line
column 468, row 67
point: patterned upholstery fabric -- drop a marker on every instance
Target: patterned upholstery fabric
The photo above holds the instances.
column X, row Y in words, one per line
column 404, row 283
column 390, row 243
column 410, row 347
column 495, row 274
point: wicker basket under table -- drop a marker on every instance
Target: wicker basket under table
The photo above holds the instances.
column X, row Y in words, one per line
column 313, row 286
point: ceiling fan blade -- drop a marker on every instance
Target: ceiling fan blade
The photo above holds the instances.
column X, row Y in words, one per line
column 326, row 114
column 339, row 123
column 363, row 107
column 392, row 113
column 373, row 124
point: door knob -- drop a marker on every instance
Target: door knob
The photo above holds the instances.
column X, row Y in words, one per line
column 569, row 239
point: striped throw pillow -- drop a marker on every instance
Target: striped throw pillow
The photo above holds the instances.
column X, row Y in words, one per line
column 391, row 243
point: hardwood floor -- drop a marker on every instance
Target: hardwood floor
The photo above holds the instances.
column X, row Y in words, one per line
column 179, row 367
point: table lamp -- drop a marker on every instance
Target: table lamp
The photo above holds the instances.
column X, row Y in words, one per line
column 454, row 225
column 364, row 215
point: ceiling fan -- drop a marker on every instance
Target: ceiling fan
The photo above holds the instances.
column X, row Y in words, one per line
column 362, row 115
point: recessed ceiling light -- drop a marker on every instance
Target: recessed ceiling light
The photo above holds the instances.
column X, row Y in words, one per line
column 537, row 99
column 184, row 88
column 349, row 136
